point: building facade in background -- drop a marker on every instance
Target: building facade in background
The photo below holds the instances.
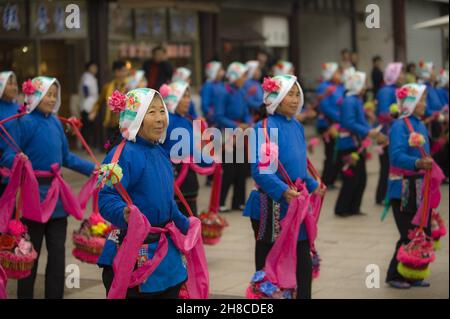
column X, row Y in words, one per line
column 34, row 39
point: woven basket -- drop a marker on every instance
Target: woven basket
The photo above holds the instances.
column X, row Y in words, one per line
column 15, row 266
column 212, row 227
column 87, row 248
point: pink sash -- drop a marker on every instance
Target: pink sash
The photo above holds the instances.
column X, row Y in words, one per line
column 281, row 263
column 431, row 192
column 23, row 177
column 435, row 176
column 191, row 245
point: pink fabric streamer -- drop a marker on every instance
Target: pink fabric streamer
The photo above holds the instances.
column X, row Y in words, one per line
column 434, row 192
column 281, row 263
column 87, row 191
column 23, row 177
column 3, row 281
column 191, row 245
column 196, row 168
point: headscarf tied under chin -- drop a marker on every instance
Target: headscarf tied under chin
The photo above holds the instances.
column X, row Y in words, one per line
column 392, row 73
column 408, row 96
column 276, row 89
column 132, row 107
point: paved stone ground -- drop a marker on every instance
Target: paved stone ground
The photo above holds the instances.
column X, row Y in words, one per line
column 346, row 246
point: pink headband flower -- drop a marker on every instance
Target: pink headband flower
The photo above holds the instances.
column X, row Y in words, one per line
column 117, row 102
column 402, row 93
column 28, row 87
column 270, row 85
column 164, row 90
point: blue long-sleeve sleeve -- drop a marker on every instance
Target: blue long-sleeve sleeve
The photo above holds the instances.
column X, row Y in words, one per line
column 148, row 179
column 179, row 219
column 443, row 95
column 352, row 119
column 254, row 94
column 385, row 98
column 329, row 108
column 272, row 184
column 110, row 203
column 192, row 111
column 398, row 148
column 434, row 103
column 401, row 154
column 219, row 115
column 206, row 97
column 8, row 154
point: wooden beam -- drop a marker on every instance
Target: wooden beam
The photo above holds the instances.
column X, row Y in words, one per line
column 398, row 19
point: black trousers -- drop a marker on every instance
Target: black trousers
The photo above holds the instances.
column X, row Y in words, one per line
column 234, row 174
column 441, row 159
column 133, row 293
column 192, row 202
column 54, row 231
column 87, row 130
column 383, row 177
column 331, row 166
column 2, row 188
column 352, row 190
column 189, row 189
column 304, row 262
column 403, row 222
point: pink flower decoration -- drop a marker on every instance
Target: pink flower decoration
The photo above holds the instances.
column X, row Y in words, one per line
column 268, row 154
column 348, row 172
column 366, row 143
column 164, row 90
column 416, row 140
column 270, row 85
column 16, row 228
column 402, row 93
column 117, row 102
column 28, row 87
column 96, row 218
column 331, row 89
column 22, row 108
column 107, row 145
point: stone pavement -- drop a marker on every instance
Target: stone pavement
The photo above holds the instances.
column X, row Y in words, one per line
column 346, row 246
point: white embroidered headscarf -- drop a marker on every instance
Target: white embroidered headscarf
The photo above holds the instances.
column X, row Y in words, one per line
column 328, row 70
column 408, row 96
column 173, row 93
column 134, row 106
column 355, row 82
column 4, row 78
column 276, row 89
column 41, row 85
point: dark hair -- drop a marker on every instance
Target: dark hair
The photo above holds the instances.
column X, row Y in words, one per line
column 345, row 51
column 410, row 66
column 262, row 51
column 376, row 59
column 158, row 48
column 88, row 64
column 118, row 64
